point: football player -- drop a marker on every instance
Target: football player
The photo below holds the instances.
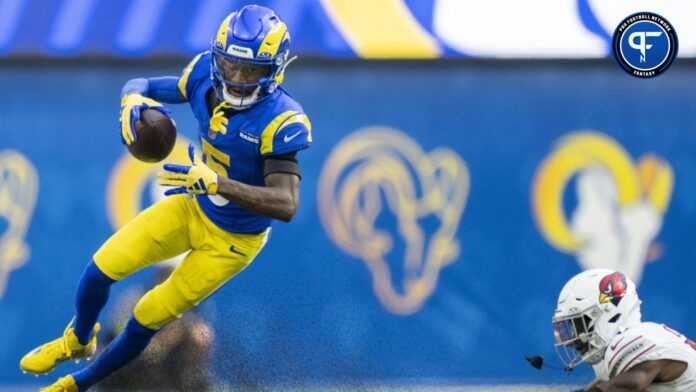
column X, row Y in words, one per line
column 250, row 130
column 598, row 322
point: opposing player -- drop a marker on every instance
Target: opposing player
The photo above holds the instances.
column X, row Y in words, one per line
column 598, row 321
column 250, row 130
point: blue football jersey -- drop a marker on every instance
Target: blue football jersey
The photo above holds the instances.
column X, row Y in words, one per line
column 276, row 125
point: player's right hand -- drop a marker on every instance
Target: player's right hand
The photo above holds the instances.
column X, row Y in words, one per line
column 197, row 179
column 131, row 105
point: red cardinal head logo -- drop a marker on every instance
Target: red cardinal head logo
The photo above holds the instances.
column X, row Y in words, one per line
column 612, row 288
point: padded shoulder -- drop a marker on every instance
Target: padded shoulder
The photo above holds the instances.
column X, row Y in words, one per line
column 195, row 72
column 286, row 127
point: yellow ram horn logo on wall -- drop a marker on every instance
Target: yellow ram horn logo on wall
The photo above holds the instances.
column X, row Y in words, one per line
column 19, row 186
column 620, row 205
column 377, row 170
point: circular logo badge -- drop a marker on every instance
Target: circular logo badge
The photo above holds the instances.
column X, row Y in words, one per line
column 645, row 44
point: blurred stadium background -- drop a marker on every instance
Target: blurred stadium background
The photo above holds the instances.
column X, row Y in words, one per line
column 494, row 147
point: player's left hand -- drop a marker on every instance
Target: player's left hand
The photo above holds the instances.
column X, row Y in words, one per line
column 195, row 179
column 131, row 106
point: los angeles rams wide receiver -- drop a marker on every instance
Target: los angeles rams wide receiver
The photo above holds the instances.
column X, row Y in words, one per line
column 598, row 321
column 250, row 130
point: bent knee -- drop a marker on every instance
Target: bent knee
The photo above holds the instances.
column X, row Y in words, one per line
column 159, row 307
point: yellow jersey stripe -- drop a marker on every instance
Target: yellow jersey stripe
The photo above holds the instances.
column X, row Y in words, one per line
column 299, row 118
column 389, row 30
column 271, row 129
column 185, row 75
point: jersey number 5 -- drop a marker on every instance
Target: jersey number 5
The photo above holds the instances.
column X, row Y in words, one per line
column 215, row 159
column 219, row 162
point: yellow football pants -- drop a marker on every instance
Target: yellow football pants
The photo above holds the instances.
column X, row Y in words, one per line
column 167, row 229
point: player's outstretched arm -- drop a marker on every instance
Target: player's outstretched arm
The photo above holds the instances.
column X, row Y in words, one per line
column 162, row 89
column 639, row 377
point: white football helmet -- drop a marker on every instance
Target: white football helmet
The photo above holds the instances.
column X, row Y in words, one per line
column 593, row 306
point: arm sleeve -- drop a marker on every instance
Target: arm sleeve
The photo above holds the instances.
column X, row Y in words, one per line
column 163, row 89
column 286, row 163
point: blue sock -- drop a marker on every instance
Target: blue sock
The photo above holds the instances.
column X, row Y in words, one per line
column 92, row 294
column 125, row 348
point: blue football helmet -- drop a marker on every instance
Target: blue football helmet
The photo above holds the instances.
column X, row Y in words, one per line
column 250, row 53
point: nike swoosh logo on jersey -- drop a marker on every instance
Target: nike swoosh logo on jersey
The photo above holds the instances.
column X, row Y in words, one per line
column 288, row 138
column 234, row 250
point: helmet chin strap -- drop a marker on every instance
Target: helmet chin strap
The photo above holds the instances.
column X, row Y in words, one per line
column 241, row 103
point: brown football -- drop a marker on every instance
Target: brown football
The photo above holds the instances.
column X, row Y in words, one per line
column 156, row 135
